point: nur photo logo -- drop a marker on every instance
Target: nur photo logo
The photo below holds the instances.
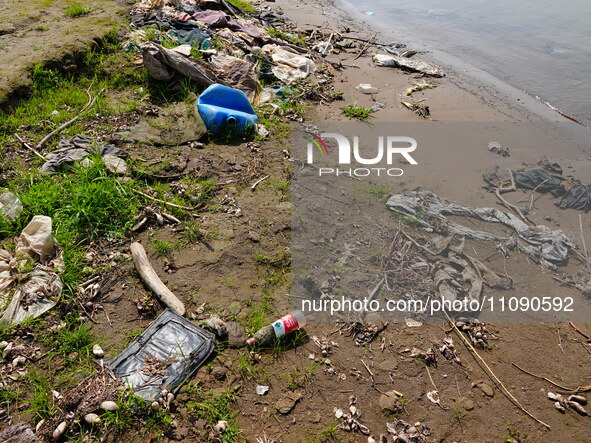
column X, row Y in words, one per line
column 388, row 149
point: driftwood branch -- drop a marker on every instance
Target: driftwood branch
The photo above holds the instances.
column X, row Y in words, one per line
column 513, row 207
column 153, row 282
column 365, row 46
column 164, row 202
column 30, row 148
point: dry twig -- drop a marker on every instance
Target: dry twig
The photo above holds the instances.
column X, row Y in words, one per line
column 492, row 374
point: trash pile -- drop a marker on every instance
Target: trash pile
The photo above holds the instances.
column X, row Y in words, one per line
column 212, row 42
column 29, row 278
column 545, row 177
column 542, row 244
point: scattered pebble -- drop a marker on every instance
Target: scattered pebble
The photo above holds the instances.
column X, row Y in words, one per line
column 287, row 402
column 109, row 405
column 60, row 430
column 487, row 390
column 92, row 418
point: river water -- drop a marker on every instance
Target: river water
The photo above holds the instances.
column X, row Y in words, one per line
column 542, row 47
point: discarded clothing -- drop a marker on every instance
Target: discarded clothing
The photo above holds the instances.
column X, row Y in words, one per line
column 394, row 61
column 164, row 356
column 289, row 66
column 192, row 36
column 577, row 197
column 24, row 292
column 549, row 247
column 218, row 19
column 150, row 20
column 78, row 147
column 10, row 206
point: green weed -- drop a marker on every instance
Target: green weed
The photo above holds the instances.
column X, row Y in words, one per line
column 215, row 407
column 337, row 95
column 357, row 111
column 380, row 192
column 84, row 203
column 243, row 5
column 162, row 248
column 41, row 402
column 293, row 38
column 330, row 433
column 76, row 10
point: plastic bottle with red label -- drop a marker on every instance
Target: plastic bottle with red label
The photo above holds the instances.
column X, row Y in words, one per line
column 285, row 325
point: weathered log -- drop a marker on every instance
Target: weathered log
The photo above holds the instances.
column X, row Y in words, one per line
column 152, row 281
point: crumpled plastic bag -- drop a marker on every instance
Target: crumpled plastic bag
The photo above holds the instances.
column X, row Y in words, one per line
column 164, row 356
column 35, row 266
column 289, row 66
column 577, row 197
column 10, row 206
column 542, row 244
column 236, row 72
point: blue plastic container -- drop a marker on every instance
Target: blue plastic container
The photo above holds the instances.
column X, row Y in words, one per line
column 225, row 109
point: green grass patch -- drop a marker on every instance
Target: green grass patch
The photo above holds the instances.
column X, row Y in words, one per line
column 41, row 402
column 84, row 203
column 133, row 411
column 162, row 248
column 293, row 38
column 214, row 407
column 357, row 111
column 76, row 10
column 243, row 5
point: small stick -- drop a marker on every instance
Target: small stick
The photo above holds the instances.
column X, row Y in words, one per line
column 587, row 336
column 30, row 148
column 541, row 378
column 174, row 205
column 108, row 318
column 584, row 244
column 367, row 43
column 152, row 281
column 492, row 374
column 560, row 340
column 376, row 289
column 91, row 101
column 513, row 207
column 416, row 244
column 259, row 181
column 367, row 367
column 533, row 191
